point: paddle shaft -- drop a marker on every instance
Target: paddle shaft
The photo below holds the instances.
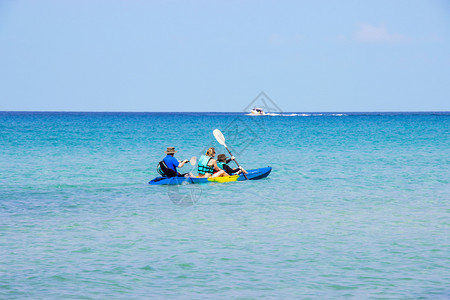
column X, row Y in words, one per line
column 236, row 162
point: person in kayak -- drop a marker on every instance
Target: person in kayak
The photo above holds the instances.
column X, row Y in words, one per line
column 207, row 165
column 222, row 162
column 168, row 166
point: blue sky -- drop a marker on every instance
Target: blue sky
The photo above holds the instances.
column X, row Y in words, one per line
column 219, row 55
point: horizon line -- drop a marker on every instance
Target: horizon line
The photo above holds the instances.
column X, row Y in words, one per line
column 303, row 112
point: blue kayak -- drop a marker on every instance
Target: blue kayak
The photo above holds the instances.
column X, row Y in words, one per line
column 252, row 175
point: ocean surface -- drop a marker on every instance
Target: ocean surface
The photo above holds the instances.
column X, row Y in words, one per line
column 357, row 206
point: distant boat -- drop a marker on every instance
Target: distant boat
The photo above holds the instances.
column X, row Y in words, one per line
column 257, row 111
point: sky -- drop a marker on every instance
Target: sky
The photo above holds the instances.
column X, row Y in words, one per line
column 307, row 56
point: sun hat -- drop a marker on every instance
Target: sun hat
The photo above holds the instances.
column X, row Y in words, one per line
column 222, row 157
column 170, row 150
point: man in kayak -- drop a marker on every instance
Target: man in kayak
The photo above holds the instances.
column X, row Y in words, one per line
column 207, row 165
column 222, row 162
column 168, row 166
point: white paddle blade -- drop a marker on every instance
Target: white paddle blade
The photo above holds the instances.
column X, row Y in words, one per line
column 193, row 160
column 219, row 137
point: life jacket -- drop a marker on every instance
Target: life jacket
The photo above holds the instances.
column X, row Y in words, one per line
column 164, row 170
column 220, row 164
column 203, row 167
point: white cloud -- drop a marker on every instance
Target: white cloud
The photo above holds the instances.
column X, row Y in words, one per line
column 367, row 33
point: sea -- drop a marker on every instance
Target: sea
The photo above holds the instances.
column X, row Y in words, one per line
column 357, row 206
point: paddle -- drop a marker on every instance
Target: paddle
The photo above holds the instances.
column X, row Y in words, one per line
column 192, row 161
column 221, row 139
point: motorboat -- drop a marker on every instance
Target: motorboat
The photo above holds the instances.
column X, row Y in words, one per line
column 257, row 111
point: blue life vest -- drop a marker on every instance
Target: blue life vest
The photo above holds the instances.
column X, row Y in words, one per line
column 203, row 167
column 220, row 164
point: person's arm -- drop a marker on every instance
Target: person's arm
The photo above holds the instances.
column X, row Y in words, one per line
column 238, row 168
column 230, row 170
column 213, row 163
column 230, row 159
column 180, row 164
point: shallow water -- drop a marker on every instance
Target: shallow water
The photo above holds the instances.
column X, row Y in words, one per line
column 357, row 205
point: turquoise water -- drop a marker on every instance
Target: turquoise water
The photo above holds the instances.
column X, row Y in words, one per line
column 357, row 206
